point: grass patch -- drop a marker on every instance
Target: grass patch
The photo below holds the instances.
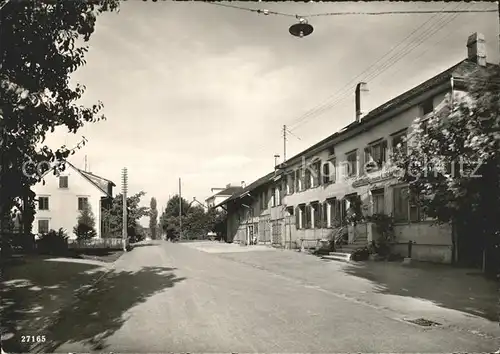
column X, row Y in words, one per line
column 102, row 255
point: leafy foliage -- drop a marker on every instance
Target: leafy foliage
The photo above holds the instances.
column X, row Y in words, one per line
column 196, row 222
column 39, row 52
column 384, row 225
column 85, row 227
column 153, row 218
column 113, row 216
column 53, row 242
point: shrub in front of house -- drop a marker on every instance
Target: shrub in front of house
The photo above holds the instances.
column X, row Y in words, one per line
column 360, row 254
column 53, row 242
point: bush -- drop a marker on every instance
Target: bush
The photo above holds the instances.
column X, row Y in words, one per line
column 360, row 254
column 53, row 242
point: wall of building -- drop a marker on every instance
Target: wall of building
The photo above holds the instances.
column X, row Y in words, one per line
column 432, row 242
column 63, row 202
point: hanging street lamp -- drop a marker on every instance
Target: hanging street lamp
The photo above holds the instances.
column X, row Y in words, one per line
column 301, row 29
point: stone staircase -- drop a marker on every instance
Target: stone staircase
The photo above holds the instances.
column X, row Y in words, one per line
column 344, row 252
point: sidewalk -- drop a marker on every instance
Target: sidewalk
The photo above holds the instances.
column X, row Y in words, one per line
column 223, row 247
column 452, row 297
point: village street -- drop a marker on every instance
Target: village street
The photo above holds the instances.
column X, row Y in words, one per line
column 211, row 297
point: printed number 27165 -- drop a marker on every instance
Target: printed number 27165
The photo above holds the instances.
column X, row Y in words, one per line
column 33, row 339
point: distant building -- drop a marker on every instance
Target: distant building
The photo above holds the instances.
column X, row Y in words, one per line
column 61, row 199
column 306, row 197
column 221, row 194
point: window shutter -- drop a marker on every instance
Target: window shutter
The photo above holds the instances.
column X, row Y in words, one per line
column 333, row 173
column 317, row 215
column 297, row 218
column 319, row 180
column 325, row 214
column 384, row 151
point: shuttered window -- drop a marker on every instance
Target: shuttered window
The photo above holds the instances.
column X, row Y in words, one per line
column 307, row 217
column 316, row 213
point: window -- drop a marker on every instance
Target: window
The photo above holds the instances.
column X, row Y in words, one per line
column 316, row 215
column 427, row 106
column 398, row 141
column 406, row 208
column 326, row 172
column 82, row 203
column 43, row 203
column 290, row 211
column 291, row 183
column 273, row 197
column 263, row 200
column 316, row 177
column 299, row 179
column 300, row 216
column 375, row 155
column 43, row 226
column 378, row 201
column 332, row 163
column 63, row 182
column 308, row 217
column 307, row 179
column 352, row 163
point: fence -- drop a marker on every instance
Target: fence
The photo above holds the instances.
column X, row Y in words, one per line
column 111, row 243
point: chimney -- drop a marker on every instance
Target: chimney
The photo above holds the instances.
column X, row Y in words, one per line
column 361, row 100
column 228, row 185
column 243, row 184
column 476, row 49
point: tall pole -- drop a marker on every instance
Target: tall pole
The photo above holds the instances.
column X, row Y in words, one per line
column 180, row 210
column 124, row 221
column 498, row 2
column 284, row 143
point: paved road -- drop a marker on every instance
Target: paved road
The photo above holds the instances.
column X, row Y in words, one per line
column 175, row 298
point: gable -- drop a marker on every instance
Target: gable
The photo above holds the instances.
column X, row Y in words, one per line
column 78, row 184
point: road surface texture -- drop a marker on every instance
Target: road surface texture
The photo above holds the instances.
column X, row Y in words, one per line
column 202, row 298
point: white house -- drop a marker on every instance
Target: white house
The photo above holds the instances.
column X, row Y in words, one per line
column 221, row 194
column 61, row 198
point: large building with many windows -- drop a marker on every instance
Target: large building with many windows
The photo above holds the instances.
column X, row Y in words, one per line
column 308, row 196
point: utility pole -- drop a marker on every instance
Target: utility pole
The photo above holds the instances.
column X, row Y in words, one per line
column 124, row 222
column 284, row 143
column 85, row 163
column 180, row 210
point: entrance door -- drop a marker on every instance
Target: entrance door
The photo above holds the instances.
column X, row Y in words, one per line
column 250, row 235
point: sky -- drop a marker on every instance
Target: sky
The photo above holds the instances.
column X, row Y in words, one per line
column 201, row 92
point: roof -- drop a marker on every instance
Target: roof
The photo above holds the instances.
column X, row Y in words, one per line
column 460, row 70
column 100, row 182
column 226, row 192
column 229, row 191
column 256, row 184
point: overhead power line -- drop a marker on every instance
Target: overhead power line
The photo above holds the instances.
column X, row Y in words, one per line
column 341, row 91
column 350, row 13
column 399, row 55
